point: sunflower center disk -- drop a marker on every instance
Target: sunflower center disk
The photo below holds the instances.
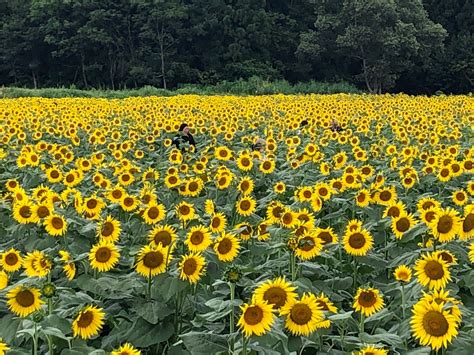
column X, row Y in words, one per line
column 153, row 259
column 301, row 314
column 434, row 270
column 57, row 223
column 107, row 229
column 435, row 324
column 153, row 213
column 468, row 223
column 103, row 255
column 275, row 296
column 197, row 238
column 25, row 298
column 225, row 246
column 357, row 240
column 85, row 319
column 367, row 299
column 163, row 237
column 403, row 225
column 11, row 259
column 445, row 224
column 253, row 315
column 189, row 266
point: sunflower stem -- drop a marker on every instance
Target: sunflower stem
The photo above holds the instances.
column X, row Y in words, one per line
column 50, row 345
column 355, row 273
column 35, row 341
column 150, row 281
column 232, row 320
column 434, row 245
column 403, row 301
column 244, row 344
column 361, row 325
column 293, row 266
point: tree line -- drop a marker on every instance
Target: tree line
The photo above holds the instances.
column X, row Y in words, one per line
column 412, row 46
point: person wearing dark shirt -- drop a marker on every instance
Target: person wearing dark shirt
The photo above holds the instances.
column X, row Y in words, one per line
column 184, row 136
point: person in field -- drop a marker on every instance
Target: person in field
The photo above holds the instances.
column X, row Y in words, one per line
column 184, row 136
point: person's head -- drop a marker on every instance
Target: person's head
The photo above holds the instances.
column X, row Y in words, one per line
column 259, row 145
column 303, row 123
column 184, row 128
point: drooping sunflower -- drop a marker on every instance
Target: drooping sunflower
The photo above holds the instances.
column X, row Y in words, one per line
column 126, row 349
column 209, row 207
column 218, row 222
column 358, row 243
column 69, row 267
column 108, row 229
column 154, row 213
column 191, row 267
column 309, row 246
column 24, row 300
column 257, row 318
column 246, row 206
column 227, row 247
column 37, row 264
column 467, row 230
column 152, row 260
column 368, row 301
column 275, row 292
column 185, row 211
column 11, row 260
column 445, row 225
column 88, row 322
column 370, row 350
column 402, row 273
column 3, row 280
column 162, row 235
column 104, row 256
column 402, row 223
column 55, row 225
column 432, row 325
column 198, row 239
column 432, row 271
column 302, row 316
column 3, row 347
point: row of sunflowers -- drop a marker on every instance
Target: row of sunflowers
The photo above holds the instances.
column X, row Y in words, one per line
column 349, row 240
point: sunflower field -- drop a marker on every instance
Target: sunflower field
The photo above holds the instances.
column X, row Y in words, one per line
column 331, row 239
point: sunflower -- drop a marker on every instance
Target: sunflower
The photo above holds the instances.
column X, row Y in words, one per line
column 108, row 229
column 325, row 235
column 191, row 267
column 274, row 211
column 394, row 210
column 386, row 196
column 172, row 180
column 275, row 292
column 223, row 181
column 279, row 187
column 402, row 223
column 442, row 297
column 198, row 239
column 246, row 185
column 402, row 273
column 304, row 193
column 267, row 166
column 302, row 316
column 432, row 271
column 154, row 213
column 370, row 350
column 246, row 206
column 209, row 207
column 358, row 243
column 363, row 198
column 459, row 197
column 222, row 153
column 42, row 210
column 103, row 256
column 55, row 225
column 126, row 349
column 256, row 319
column 432, row 325
column 152, row 260
column 93, row 205
column 69, row 267
column 3, row 280
column 447, row 256
column 129, row 203
column 354, row 225
column 323, row 190
column 37, row 264
column 325, row 304
column 244, row 162
column 368, row 301
column 3, row 347
column 445, row 224
column 162, row 235
column 88, row 322
column 467, row 230
column 185, row 211
column 309, row 246
column 227, row 247
column 243, row 230
column 427, row 216
column 11, row 260
column 218, row 222
column 471, row 253
column 23, row 212
column 24, row 300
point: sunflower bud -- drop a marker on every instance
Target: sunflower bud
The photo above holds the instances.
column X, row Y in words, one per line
column 232, row 274
column 292, row 243
column 48, row 290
